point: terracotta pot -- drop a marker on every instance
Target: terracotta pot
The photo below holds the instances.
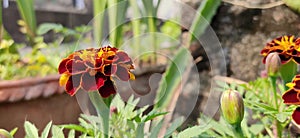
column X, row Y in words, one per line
column 38, row 100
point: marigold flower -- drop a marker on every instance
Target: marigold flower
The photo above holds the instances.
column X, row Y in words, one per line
column 93, row 69
column 292, row 97
column 288, row 48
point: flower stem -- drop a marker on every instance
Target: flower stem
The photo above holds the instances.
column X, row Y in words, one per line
column 102, row 111
column 273, row 83
column 277, row 123
column 238, row 132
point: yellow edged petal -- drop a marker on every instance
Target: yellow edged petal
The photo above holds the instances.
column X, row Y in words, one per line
column 63, row 79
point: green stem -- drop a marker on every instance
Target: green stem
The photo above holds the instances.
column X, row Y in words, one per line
column 136, row 26
column 152, row 30
column 273, row 83
column 112, row 14
column 98, row 9
column 278, row 128
column 277, row 123
column 238, row 132
column 102, row 111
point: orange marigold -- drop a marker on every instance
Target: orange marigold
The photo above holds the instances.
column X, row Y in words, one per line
column 92, row 69
column 288, row 48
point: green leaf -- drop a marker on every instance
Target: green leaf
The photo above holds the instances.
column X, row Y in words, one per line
column 152, row 115
column 46, row 130
column 57, row 132
column 287, row 72
column 172, row 78
column 27, row 12
column 74, row 127
column 193, row 131
column 71, row 134
column 174, row 126
column 256, row 128
column 171, row 29
column 102, row 111
column 14, row 131
column 205, row 13
column 293, row 4
column 140, row 130
column 155, row 130
column 46, row 27
column 30, row 130
column 281, row 117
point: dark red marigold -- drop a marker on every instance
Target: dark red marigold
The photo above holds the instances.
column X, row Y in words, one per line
column 292, row 97
column 92, row 69
column 288, row 48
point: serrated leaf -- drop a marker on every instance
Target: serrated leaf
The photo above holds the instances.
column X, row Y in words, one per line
column 152, row 115
column 256, row 128
column 57, row 132
column 75, row 127
column 46, row 130
column 281, row 117
column 71, row 134
column 46, row 27
column 155, row 130
column 30, row 130
column 176, row 123
column 193, row 131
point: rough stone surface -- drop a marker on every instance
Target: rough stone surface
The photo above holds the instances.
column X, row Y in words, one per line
column 245, row 32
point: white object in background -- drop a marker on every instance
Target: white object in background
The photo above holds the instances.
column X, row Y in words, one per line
column 79, row 4
column 5, row 3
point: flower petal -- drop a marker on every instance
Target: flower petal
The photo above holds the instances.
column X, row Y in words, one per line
column 291, row 97
column 297, row 59
column 92, row 82
column 64, row 79
column 123, row 57
column 62, row 66
column 285, row 58
column 73, row 84
column 110, row 69
column 76, row 66
column 107, row 89
column 296, row 115
column 122, row 73
column 297, row 84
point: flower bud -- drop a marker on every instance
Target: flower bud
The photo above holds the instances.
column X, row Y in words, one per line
column 232, row 106
column 4, row 134
column 273, row 63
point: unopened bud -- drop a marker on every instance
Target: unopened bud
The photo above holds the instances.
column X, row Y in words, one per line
column 273, row 63
column 232, row 106
column 113, row 110
column 4, row 134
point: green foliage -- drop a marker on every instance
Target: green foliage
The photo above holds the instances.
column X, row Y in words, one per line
column 30, row 130
column 171, row 79
column 205, row 13
column 259, row 98
column 26, row 9
column 293, row 4
column 18, row 61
